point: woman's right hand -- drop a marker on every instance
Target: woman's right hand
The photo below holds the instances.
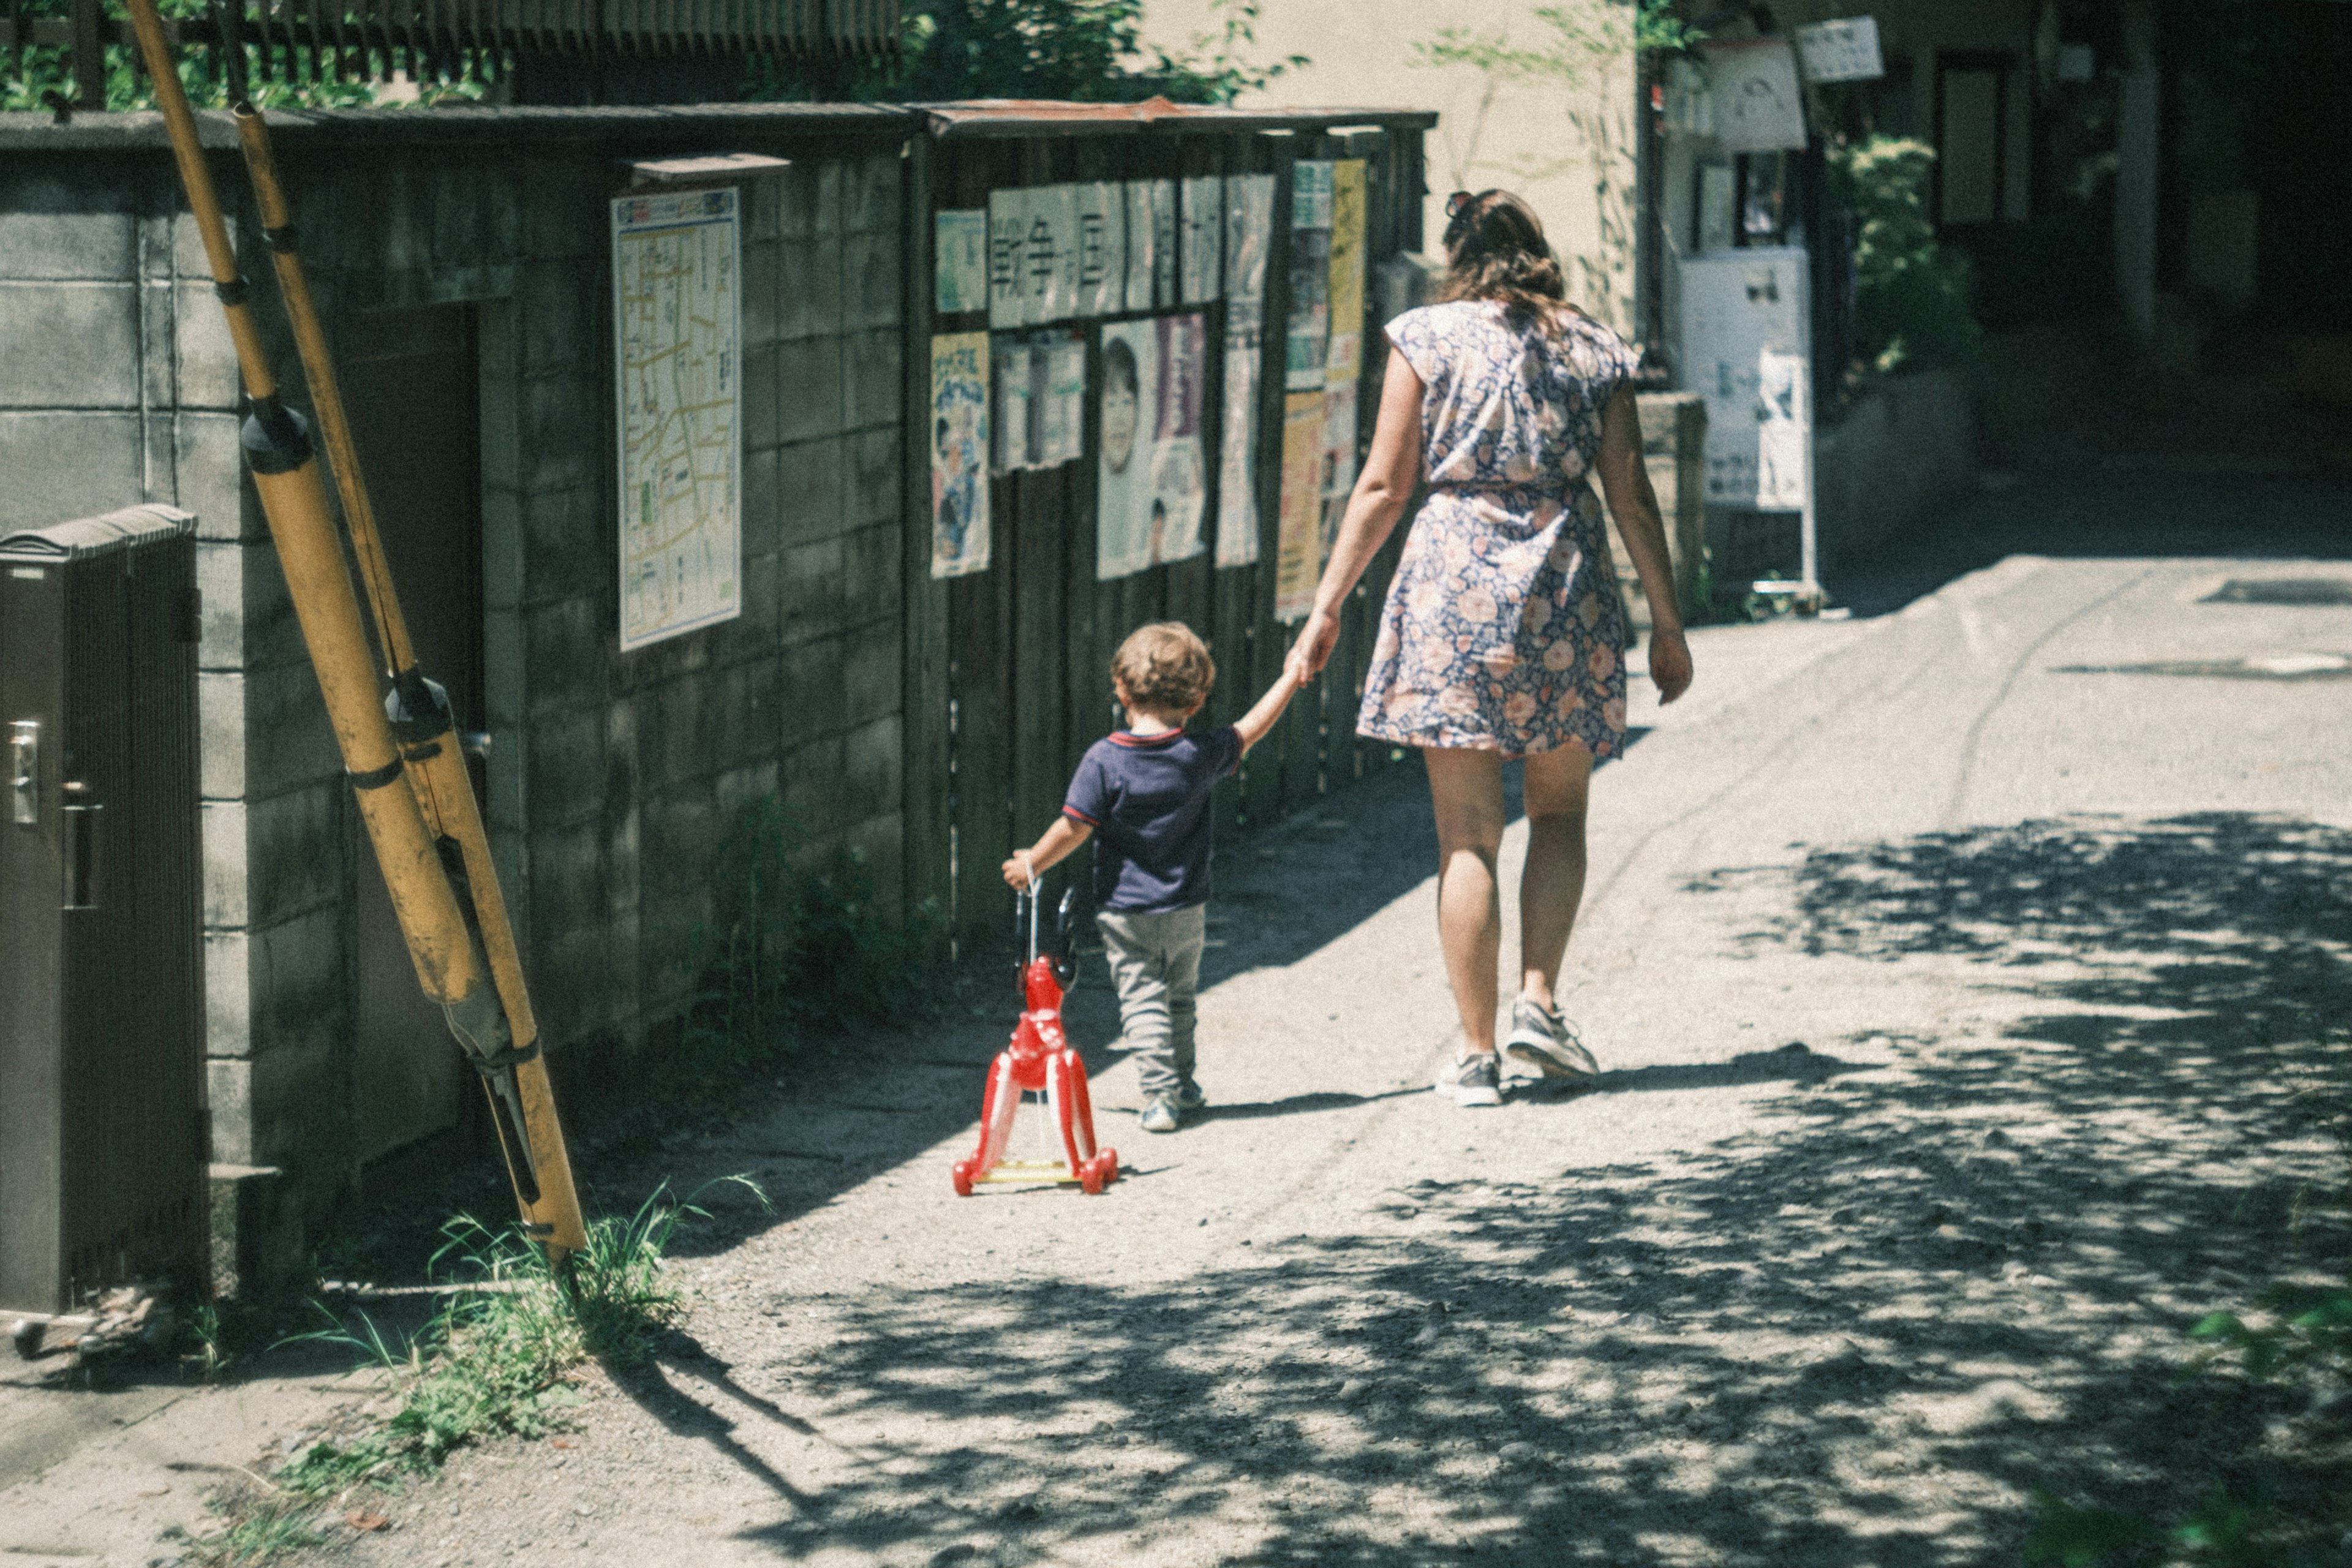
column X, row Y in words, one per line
column 1313, row 649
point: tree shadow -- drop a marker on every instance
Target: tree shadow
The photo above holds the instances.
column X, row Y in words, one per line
column 1857, row 1333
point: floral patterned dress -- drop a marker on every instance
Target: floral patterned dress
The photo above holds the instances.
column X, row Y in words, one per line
column 1503, row 630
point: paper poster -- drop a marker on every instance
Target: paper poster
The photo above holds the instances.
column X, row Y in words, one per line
column 1237, row 470
column 1008, row 229
column 1152, row 482
column 1296, row 564
column 1033, row 254
column 1334, row 480
column 1783, row 428
column 959, row 454
column 677, row 332
column 1842, row 50
column 1102, row 249
column 1150, row 244
column 1307, row 335
column 1341, row 359
column 961, row 244
column 1041, row 391
column 1758, row 107
column 1203, row 249
column 1249, row 236
column 1015, row 371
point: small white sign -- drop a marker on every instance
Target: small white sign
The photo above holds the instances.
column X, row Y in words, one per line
column 961, row 240
column 1758, row 105
column 1783, row 430
column 1842, row 50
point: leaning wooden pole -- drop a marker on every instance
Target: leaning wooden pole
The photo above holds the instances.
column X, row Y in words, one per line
column 401, row 753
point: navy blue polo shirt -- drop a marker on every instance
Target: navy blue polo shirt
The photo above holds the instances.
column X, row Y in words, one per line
column 1147, row 798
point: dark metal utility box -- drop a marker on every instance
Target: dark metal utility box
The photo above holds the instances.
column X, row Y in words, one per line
column 102, row 1139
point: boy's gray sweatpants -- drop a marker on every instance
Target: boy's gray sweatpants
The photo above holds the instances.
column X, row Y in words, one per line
column 1155, row 962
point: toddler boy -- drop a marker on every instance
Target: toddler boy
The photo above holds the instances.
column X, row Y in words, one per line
column 1146, row 790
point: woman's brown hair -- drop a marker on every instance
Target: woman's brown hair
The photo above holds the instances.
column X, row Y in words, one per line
column 1495, row 249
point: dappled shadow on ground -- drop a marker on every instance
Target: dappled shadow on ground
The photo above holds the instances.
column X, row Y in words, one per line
column 1855, row 1334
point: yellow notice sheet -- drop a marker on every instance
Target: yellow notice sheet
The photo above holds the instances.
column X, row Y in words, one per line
column 1299, row 546
column 676, row 339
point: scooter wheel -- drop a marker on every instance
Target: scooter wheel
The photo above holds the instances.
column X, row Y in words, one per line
column 962, row 1177
column 1107, row 1162
column 1090, row 1178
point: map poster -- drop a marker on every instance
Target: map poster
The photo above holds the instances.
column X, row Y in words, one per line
column 677, row 340
column 1237, row 473
column 1150, row 244
column 1152, row 485
column 1341, row 361
column 961, row 241
column 1203, row 266
column 1249, row 234
column 1295, row 551
column 959, row 422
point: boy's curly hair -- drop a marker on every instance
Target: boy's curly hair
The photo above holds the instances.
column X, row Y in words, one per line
column 1165, row 666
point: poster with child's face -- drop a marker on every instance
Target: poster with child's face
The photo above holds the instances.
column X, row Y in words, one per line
column 1152, row 487
column 958, row 431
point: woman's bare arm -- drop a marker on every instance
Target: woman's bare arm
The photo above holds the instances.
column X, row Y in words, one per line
column 1391, row 472
column 1625, row 481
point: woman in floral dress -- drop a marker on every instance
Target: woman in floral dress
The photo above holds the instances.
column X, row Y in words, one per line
column 1502, row 636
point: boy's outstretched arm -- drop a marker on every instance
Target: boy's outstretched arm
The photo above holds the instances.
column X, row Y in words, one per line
column 1066, row 834
column 1253, row 724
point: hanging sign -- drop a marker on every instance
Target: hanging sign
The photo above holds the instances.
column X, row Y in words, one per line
column 677, row 350
column 1297, row 545
column 1152, row 486
column 961, row 249
column 1842, row 50
column 1758, row 106
column 959, row 420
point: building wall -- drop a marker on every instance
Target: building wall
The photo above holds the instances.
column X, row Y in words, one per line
column 612, row 777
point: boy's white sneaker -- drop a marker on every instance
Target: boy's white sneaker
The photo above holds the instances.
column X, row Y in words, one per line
column 1471, row 1079
column 1546, row 1041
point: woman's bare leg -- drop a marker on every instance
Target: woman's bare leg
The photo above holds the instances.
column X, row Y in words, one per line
column 1465, row 789
column 1551, row 885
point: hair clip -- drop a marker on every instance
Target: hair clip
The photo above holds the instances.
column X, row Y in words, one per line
column 1456, row 202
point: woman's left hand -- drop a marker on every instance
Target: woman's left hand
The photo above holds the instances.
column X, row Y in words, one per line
column 1670, row 662
column 1313, row 649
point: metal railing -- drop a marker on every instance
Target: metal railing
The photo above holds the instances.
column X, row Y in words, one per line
column 353, row 38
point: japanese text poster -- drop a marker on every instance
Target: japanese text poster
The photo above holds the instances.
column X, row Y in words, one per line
column 961, row 263
column 1152, row 488
column 1297, row 532
column 959, row 454
column 1150, row 244
column 1342, row 359
column 1204, row 238
column 1249, row 235
column 1308, row 333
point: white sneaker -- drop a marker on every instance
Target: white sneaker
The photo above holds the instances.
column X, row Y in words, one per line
column 1471, row 1079
column 1546, row 1041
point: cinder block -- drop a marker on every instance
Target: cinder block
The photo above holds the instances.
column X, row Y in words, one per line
column 563, row 210
column 502, row 668
column 814, row 792
column 287, row 740
column 55, row 241
column 557, row 308
column 877, row 492
column 872, row 660
column 871, row 589
column 871, row 281
column 565, row 554
column 808, row 482
column 220, row 728
column 811, row 584
column 744, row 726
column 257, row 1254
column 881, row 842
column 563, row 423
column 874, row 389
column 65, row 465
column 565, row 763
column 208, row 478
column 873, row 771
column 567, row 876
column 70, row 345
column 682, row 832
column 476, row 217
column 812, row 698
column 294, row 853
column 221, row 825
column 500, row 399
column 737, row 789
column 568, row 649
column 680, row 722
column 248, row 616
column 209, row 377
column 228, row 1097
column 229, row 1001
column 761, row 395
column 502, row 548
column 810, row 378
column 297, row 980
column 763, row 525
column 759, row 293
column 808, row 289
column 870, row 193
column 809, row 197
column 299, row 1117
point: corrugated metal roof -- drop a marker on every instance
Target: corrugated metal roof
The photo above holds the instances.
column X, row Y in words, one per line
column 1030, row 117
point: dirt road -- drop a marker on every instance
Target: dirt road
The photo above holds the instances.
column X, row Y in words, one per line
column 1963, row 976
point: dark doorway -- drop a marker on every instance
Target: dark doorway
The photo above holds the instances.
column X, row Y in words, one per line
column 410, row 380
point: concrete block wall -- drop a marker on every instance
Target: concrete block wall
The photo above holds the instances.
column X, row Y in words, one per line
column 615, row 778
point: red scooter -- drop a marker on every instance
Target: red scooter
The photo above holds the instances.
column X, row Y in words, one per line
column 1039, row 1061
